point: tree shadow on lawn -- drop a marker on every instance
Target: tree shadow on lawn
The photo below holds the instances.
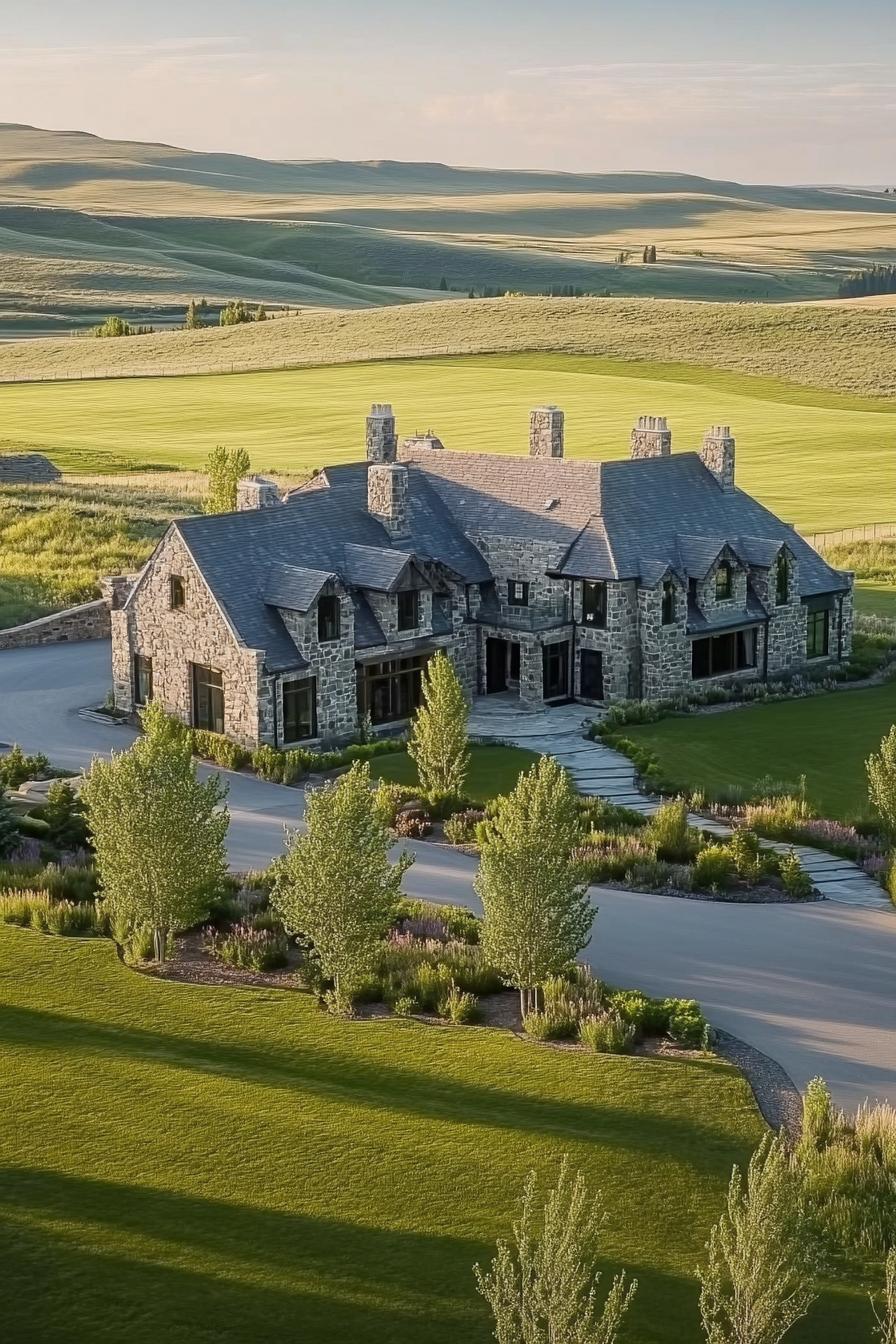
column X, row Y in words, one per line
column 707, row 1148
column 217, row 1271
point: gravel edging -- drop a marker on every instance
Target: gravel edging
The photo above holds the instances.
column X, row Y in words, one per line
column 777, row 1096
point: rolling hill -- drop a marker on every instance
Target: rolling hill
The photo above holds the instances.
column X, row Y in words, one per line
column 90, row 225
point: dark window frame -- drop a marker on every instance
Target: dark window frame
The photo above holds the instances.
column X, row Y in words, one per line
column 408, row 619
column 392, row 690
column 782, row 579
column 207, row 697
column 594, row 603
column 512, row 599
column 670, row 602
column 329, row 618
column 723, row 655
column 291, row 691
column 812, row 627
column 724, row 581
column 142, row 678
column 177, row 592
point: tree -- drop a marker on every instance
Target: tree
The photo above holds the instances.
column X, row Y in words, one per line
column 225, row 467
column 886, row 1318
column 117, row 326
column 261, row 313
column 443, row 283
column 438, row 744
column 882, row 782
column 542, row 1286
column 234, row 313
column 335, row 884
column 9, row 827
column 158, row 831
column 537, row 912
column 758, row 1279
column 194, row 316
column 65, row 816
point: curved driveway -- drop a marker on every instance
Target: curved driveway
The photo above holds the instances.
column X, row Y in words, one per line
column 813, row 986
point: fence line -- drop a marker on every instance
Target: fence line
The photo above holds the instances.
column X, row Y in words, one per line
column 109, row 374
column 866, row 532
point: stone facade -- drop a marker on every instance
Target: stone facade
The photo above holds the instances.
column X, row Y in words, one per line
column 90, row 620
column 651, row 437
column 546, row 432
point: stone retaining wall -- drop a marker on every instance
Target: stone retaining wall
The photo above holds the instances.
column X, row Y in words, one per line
column 90, row 620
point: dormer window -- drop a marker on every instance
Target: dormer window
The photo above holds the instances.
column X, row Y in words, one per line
column 594, row 604
column 177, row 593
column 782, row 579
column 327, row 618
column 724, row 582
column 668, row 602
column 408, row 610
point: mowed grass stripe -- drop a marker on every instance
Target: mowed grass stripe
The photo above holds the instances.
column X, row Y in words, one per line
column 818, row 465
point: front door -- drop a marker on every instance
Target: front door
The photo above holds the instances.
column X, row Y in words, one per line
column 495, row 665
column 555, row 671
column 591, row 682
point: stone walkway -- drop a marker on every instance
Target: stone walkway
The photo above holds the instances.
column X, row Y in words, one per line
column 597, row 769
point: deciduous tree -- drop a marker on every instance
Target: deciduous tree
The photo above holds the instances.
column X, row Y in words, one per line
column 543, row 1284
column 758, row 1280
column 225, row 467
column 438, row 744
column 537, row 911
column 881, row 770
column 335, row 884
column 158, row 831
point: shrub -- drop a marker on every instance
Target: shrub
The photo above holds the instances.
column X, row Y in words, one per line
column 406, row 1006
column 412, row 823
column 16, row 767
column 430, row 985
column 687, row 1025
column 459, row 1006
column 607, row 1034
column 744, row 850
column 713, row 868
column 446, row 922
column 460, row 827
column 268, row 763
column 670, row 834
column 249, row 948
column 650, row 1017
column 388, row 799
column 65, row 816
column 797, row 882
column 24, row 907
column 548, row 1026
column 220, row 749
column 654, row 875
column 73, row 920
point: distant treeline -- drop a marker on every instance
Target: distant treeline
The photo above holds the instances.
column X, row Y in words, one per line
column 872, row 280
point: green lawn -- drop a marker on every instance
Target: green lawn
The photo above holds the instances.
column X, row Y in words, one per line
column 826, row 738
column 818, row 459
column 878, row 599
column 493, row 769
column 230, row 1166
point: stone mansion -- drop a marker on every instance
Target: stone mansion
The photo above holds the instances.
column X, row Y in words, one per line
column 297, row 617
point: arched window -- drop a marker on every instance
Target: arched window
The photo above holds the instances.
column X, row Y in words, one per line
column 782, row 579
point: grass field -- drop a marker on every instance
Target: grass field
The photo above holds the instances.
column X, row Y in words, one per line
column 493, row 769
column 827, row 738
column 877, row 598
column 88, row 224
column 819, row 459
column 205, row 1164
column 841, row 348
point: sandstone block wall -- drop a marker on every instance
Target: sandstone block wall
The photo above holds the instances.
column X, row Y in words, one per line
column 90, row 620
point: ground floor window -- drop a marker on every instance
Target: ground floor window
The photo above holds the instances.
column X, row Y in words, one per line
column 299, row 710
column 555, row 671
column 208, row 698
column 514, row 673
column 391, row 690
column 591, row 675
column 818, row 634
column 142, row 679
column 717, row 655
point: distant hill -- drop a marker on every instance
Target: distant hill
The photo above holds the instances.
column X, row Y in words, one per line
column 89, row 226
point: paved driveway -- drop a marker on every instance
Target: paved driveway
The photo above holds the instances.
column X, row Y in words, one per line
column 812, row 986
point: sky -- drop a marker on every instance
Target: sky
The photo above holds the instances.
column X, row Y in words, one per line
column 772, row 91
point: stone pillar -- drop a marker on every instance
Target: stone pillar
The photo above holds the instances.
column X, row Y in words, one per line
column 387, row 498
column 116, row 589
column 256, row 492
column 381, row 442
column 717, row 454
column 651, row 437
column 546, row 432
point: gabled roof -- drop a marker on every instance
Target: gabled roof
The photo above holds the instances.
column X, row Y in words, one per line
column 374, row 567
column 293, row 587
column 368, row 631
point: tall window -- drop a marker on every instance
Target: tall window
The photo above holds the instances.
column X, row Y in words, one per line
column 517, row 593
column 327, row 618
column 594, row 604
column 668, row 602
column 724, row 582
column 818, row 634
column 391, row 690
column 208, row 698
column 142, row 679
column 408, row 609
column 782, row 579
column 177, row 592
column 299, row 710
column 718, row 655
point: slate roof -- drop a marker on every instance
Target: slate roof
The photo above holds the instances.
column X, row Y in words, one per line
column 631, row 519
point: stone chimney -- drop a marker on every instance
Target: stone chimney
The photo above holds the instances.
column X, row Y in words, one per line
column 546, row 432
column 387, row 497
column 430, row 441
column 717, row 454
column 381, row 441
column 256, row 492
column 651, row 437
